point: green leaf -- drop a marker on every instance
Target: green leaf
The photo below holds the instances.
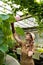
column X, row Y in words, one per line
column 10, row 43
column 1, row 57
column 6, row 28
column 1, row 40
column 4, row 48
column 0, row 19
column 4, row 17
column 20, row 31
column 11, row 19
column 1, row 37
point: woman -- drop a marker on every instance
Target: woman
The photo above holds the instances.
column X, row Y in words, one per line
column 27, row 47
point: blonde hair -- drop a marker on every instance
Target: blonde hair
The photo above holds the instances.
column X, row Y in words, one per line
column 31, row 35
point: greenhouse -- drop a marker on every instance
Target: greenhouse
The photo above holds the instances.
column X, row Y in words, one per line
column 21, row 32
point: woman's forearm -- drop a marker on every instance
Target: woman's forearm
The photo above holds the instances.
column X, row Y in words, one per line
column 15, row 35
column 13, row 30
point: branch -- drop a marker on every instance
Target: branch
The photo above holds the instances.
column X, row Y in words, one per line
column 25, row 17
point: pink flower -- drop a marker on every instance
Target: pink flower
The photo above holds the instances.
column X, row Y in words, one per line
column 17, row 17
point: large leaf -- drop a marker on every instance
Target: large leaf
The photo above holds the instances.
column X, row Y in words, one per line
column 11, row 19
column 4, row 17
column 1, row 40
column 10, row 41
column 20, row 31
column 1, row 36
column 0, row 19
column 4, row 48
column 6, row 28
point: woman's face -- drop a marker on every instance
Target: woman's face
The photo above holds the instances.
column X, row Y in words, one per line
column 28, row 38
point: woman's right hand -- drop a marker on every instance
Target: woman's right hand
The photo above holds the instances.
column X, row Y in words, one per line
column 30, row 53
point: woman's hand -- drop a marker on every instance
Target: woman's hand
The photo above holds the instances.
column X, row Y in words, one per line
column 30, row 53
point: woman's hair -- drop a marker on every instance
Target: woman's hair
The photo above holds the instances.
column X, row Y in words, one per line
column 30, row 35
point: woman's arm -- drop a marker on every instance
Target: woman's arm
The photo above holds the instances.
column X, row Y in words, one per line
column 33, row 50
column 15, row 35
column 17, row 39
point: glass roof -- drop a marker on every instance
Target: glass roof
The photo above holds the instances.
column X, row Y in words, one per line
column 26, row 23
column 6, row 9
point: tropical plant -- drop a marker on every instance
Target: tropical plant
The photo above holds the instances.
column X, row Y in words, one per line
column 7, row 16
